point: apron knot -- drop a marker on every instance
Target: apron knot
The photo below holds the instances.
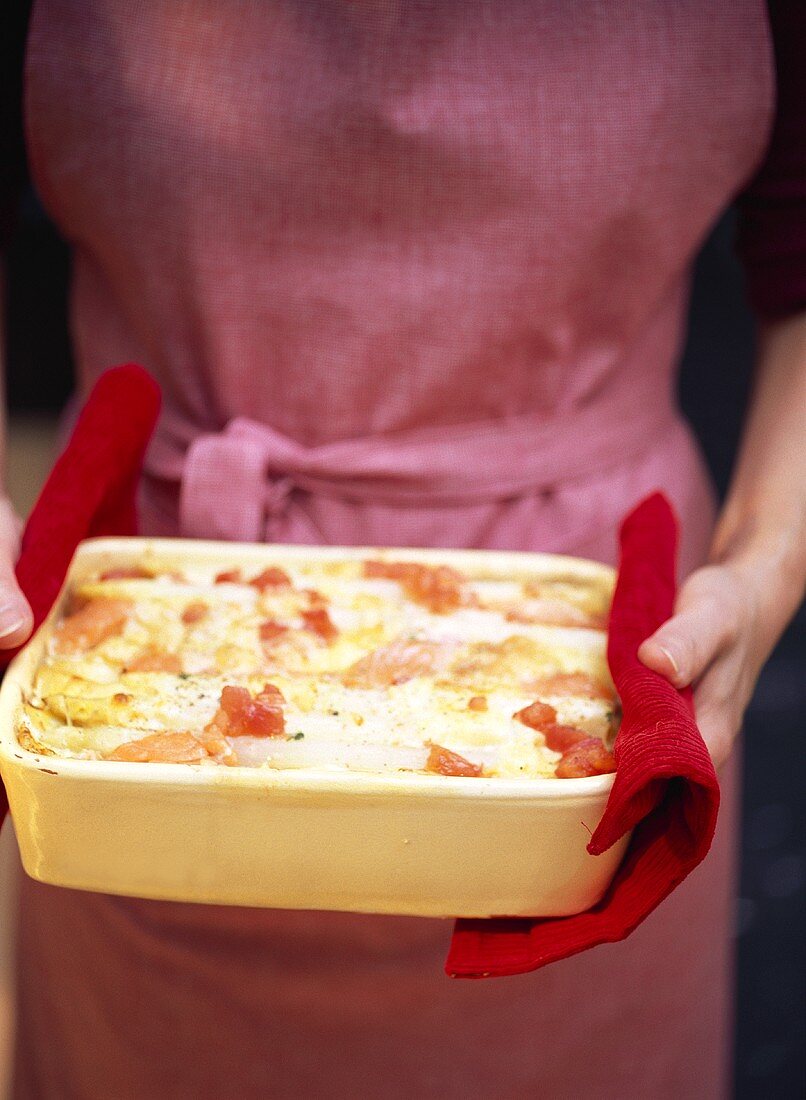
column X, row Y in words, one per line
column 238, row 483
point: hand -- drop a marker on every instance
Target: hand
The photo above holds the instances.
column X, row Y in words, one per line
column 16, row 620
column 726, row 622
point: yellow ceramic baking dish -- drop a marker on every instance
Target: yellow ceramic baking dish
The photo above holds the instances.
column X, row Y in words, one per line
column 416, row 844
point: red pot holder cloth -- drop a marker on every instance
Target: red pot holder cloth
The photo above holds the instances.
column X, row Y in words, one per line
column 665, row 787
column 91, row 489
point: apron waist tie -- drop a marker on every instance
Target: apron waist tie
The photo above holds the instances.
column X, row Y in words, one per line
column 236, row 482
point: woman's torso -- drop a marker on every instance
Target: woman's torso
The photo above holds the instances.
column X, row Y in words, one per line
column 401, row 228
column 353, row 222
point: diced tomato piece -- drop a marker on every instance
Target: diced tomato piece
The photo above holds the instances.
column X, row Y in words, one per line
column 126, row 573
column 153, row 660
column 437, row 587
column 92, row 624
column 244, row 716
column 229, row 576
column 271, row 691
column 586, row 757
column 265, row 718
column 444, row 762
column 537, row 715
column 561, row 738
column 270, row 630
column 477, row 702
column 318, row 620
column 315, row 598
column 166, row 748
column 233, row 700
column 273, row 577
column 195, row 611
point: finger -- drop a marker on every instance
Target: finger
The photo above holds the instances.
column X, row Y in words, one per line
column 704, row 625
column 16, row 618
column 720, row 700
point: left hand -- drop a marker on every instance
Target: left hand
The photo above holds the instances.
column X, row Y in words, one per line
column 725, row 625
column 729, row 614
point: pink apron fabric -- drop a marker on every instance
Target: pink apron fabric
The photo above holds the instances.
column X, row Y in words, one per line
column 409, row 274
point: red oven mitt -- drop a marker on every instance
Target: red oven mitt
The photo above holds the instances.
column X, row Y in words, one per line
column 665, row 787
column 91, row 489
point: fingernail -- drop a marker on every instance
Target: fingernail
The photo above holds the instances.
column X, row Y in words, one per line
column 13, row 616
column 672, row 661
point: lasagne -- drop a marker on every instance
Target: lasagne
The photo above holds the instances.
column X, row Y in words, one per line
column 380, row 664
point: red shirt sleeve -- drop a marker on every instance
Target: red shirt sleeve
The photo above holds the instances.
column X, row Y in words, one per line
column 771, row 238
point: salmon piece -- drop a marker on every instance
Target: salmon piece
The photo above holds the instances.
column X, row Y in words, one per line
column 154, row 660
column 318, row 620
column 586, row 757
column 436, row 587
column 195, row 611
column 439, row 589
column 239, row 715
column 477, row 702
column 273, row 577
column 394, row 663
column 217, row 747
column 91, row 624
column 554, row 613
column 270, row 631
column 537, row 716
column 571, row 683
column 126, row 573
column 222, row 752
column 444, row 762
column 163, row 748
column 229, row 576
column 561, row 738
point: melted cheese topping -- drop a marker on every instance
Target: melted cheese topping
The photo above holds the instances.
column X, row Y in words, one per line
column 378, row 673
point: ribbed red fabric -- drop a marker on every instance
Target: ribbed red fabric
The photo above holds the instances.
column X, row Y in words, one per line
column 665, row 785
column 91, row 489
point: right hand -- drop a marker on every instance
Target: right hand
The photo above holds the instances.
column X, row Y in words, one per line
column 16, row 618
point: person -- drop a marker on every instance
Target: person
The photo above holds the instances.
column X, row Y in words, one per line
column 419, row 228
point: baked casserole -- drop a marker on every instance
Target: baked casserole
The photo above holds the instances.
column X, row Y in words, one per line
column 375, row 662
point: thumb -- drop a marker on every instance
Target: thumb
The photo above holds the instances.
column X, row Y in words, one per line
column 704, row 623
column 16, row 617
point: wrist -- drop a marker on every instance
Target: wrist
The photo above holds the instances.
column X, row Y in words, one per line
column 767, row 556
column 763, row 541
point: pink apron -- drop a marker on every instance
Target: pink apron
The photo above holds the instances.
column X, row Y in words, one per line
column 410, row 274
